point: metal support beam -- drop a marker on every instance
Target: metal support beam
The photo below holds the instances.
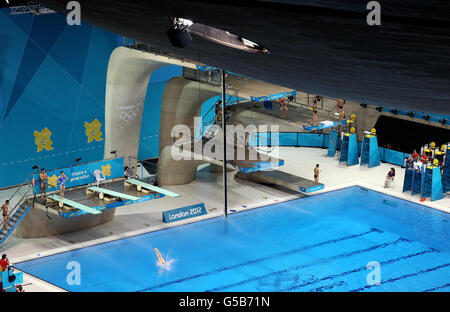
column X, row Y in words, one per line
column 224, row 129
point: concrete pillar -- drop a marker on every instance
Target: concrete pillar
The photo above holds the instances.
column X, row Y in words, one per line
column 129, row 72
column 182, row 102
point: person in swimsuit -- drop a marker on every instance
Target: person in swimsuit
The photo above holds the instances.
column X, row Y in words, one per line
column 316, row 173
column 314, row 109
column 5, row 208
column 127, row 172
column 44, row 178
column 340, row 108
column 218, row 111
column 62, row 184
column 283, row 108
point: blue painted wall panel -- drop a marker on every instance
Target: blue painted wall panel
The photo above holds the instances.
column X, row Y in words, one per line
column 53, row 80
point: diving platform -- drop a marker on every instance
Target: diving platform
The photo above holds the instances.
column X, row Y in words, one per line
column 140, row 184
column 74, row 204
column 100, row 191
column 283, row 179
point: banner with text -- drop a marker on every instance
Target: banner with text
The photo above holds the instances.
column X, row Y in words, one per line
column 82, row 174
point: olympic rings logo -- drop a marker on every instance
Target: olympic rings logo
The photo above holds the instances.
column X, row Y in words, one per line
column 128, row 115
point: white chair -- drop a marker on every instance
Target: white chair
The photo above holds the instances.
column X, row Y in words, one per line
column 98, row 177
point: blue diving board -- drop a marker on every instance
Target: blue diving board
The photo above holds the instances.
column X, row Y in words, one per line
column 112, row 193
column 75, row 204
column 152, row 187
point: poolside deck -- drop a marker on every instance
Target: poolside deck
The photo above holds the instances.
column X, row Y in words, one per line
column 207, row 188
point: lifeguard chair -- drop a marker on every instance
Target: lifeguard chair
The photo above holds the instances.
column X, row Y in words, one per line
column 349, row 148
column 369, row 150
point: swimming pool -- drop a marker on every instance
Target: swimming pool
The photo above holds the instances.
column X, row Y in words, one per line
column 318, row 243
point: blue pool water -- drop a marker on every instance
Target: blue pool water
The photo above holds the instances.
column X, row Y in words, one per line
column 318, row 243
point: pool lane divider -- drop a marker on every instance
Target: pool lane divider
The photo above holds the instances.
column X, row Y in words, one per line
column 184, row 213
column 262, row 259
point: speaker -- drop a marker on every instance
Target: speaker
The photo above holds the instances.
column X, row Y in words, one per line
column 179, row 37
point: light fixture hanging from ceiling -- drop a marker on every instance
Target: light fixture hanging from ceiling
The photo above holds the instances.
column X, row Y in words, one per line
column 179, row 36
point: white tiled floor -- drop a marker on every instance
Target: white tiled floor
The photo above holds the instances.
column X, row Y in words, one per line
column 145, row 217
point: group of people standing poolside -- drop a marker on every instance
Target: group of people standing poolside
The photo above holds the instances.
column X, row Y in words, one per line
column 317, row 98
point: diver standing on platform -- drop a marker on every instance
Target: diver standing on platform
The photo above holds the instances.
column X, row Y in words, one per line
column 44, row 178
column 283, row 108
column 314, row 109
column 316, row 173
column 340, row 108
column 62, row 184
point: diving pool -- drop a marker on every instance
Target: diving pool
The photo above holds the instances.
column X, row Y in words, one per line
column 318, row 243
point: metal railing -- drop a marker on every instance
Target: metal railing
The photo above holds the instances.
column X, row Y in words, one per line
column 23, row 192
column 139, row 172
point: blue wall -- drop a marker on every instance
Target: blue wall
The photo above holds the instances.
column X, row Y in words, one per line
column 53, row 76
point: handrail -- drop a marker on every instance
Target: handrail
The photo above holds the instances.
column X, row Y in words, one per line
column 18, row 204
column 23, row 183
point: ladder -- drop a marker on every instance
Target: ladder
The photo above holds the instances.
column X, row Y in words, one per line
column 19, row 212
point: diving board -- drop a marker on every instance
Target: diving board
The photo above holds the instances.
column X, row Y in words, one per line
column 75, row 204
column 151, row 187
column 111, row 193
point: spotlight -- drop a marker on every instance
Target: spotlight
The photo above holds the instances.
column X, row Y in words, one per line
column 379, row 108
column 410, row 114
column 178, row 34
column 363, row 105
column 35, row 167
column 443, row 121
column 394, row 111
column 427, row 117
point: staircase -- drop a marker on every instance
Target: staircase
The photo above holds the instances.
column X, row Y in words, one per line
column 22, row 207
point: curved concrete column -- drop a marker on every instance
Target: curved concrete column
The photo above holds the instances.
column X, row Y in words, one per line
column 182, row 101
column 129, row 71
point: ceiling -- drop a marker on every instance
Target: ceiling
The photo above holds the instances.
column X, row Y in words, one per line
column 321, row 46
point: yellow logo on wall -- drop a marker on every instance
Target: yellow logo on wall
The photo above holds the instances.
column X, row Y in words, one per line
column 106, row 170
column 42, row 139
column 93, row 130
column 52, row 181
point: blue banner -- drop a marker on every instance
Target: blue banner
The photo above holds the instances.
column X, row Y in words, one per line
column 82, row 174
column 205, row 67
column 184, row 213
column 273, row 96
